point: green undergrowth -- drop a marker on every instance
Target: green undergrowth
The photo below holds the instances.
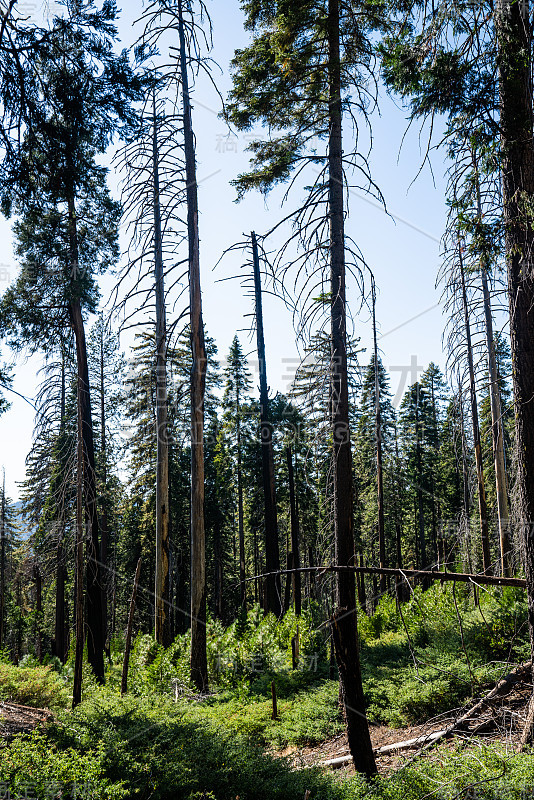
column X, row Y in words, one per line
column 37, row 686
column 112, row 748
column 160, row 741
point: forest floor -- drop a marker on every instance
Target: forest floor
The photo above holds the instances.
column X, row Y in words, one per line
column 500, row 723
column 15, row 719
column 421, row 673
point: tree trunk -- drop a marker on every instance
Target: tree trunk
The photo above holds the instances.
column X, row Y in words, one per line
column 514, row 39
column 39, row 613
column 344, row 622
column 95, row 635
column 501, row 483
column 104, row 538
column 379, row 470
column 420, row 508
column 78, row 555
column 199, row 664
column 59, row 620
column 128, row 643
column 240, row 513
column 482, row 505
column 295, row 535
column 161, row 589
column 273, row 591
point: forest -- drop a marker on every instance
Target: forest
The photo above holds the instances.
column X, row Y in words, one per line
column 211, row 589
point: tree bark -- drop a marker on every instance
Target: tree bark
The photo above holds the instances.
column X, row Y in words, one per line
column 273, row 591
column 199, row 664
column 344, row 623
column 161, row 589
column 482, row 505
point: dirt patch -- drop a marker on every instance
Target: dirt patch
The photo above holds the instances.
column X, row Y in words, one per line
column 15, row 719
column 501, row 722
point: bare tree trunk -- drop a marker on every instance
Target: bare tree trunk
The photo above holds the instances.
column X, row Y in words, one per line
column 420, row 508
column 240, row 514
column 501, row 483
column 482, row 505
column 128, row 643
column 514, row 39
column 199, row 664
column 344, row 621
column 161, row 589
column 295, row 535
column 273, row 591
column 379, row 470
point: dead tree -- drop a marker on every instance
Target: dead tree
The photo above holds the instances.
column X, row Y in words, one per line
column 482, row 504
column 378, row 440
column 272, row 596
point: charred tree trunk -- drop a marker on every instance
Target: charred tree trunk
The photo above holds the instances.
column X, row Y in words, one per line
column 273, row 591
column 199, row 664
column 161, row 587
column 482, row 505
column 344, row 621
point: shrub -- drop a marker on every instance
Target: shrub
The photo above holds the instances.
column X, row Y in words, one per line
column 40, row 687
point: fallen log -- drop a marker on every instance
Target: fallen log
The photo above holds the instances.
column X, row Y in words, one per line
column 428, row 740
column 394, row 747
column 504, row 686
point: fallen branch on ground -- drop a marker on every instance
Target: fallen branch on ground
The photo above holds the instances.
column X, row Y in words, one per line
column 503, row 687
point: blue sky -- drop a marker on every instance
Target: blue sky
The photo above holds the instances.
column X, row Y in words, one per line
column 402, row 249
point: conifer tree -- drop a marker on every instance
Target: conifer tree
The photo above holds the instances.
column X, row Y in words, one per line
column 67, row 225
column 238, row 384
column 302, row 70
